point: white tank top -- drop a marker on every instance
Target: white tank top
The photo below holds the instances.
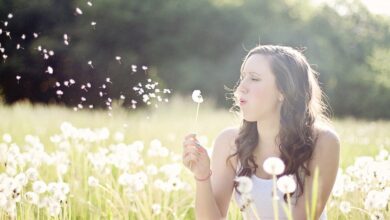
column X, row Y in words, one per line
column 262, row 195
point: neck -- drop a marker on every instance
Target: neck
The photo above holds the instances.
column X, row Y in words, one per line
column 268, row 129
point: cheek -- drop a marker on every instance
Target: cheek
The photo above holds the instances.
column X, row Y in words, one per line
column 264, row 94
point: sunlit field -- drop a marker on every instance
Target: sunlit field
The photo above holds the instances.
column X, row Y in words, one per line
column 61, row 164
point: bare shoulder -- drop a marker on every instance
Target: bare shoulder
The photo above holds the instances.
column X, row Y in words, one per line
column 327, row 147
column 226, row 140
column 327, row 139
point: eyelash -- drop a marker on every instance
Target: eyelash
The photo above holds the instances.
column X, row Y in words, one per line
column 241, row 78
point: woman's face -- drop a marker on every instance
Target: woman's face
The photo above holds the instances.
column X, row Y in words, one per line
column 257, row 93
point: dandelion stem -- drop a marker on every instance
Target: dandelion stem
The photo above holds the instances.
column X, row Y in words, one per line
column 195, row 126
column 254, row 211
column 196, row 119
column 274, row 197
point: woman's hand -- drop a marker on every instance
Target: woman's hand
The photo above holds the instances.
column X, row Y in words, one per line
column 195, row 157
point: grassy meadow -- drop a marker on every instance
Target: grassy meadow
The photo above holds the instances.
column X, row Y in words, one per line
column 128, row 165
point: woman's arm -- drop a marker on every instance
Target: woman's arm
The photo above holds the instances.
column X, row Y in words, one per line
column 326, row 157
column 213, row 196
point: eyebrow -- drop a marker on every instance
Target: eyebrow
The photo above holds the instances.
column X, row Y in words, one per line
column 257, row 74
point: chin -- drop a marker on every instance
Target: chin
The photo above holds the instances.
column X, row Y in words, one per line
column 249, row 119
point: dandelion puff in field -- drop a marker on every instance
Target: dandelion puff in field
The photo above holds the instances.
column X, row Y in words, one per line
column 32, row 174
column 89, row 3
column 10, row 16
column 7, row 138
column 21, row 179
column 3, row 199
column 377, row 215
column 54, row 208
column 286, row 184
column 39, row 187
column 273, row 166
column 245, row 184
column 92, row 181
column 35, row 35
column 23, row 37
column 156, row 209
column 32, row 197
column 345, row 207
column 90, row 64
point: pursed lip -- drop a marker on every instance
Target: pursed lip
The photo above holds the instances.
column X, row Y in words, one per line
column 242, row 101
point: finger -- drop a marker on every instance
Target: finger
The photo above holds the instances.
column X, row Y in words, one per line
column 190, row 136
column 191, row 154
column 190, row 160
column 191, row 143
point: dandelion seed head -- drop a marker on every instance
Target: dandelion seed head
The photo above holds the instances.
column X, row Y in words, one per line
column 196, row 96
column 273, row 166
column 245, row 184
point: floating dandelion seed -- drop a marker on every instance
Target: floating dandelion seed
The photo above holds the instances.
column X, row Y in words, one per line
column 45, row 56
column 2, row 50
column 49, row 70
column 71, row 81
column 10, row 16
column 108, row 80
column 35, row 35
column 122, row 97
column 6, row 23
column 66, row 83
column 83, row 99
column 39, row 48
column 18, row 78
column 23, row 36
column 66, row 38
column 8, row 34
column 89, row 3
column 90, row 64
column 89, row 85
column 144, row 67
column 58, row 84
column 118, row 58
column 5, row 57
column 78, row 11
column 51, row 53
column 90, row 106
column 59, row 93
column 19, row 47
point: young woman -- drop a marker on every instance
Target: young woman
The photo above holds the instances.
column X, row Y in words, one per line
column 283, row 116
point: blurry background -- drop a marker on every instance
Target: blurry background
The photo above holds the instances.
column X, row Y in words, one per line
column 187, row 45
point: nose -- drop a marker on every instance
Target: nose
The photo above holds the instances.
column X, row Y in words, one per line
column 242, row 88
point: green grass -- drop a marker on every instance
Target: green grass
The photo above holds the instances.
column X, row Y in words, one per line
column 169, row 124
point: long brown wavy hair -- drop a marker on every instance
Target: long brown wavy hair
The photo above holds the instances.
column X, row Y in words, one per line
column 303, row 106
